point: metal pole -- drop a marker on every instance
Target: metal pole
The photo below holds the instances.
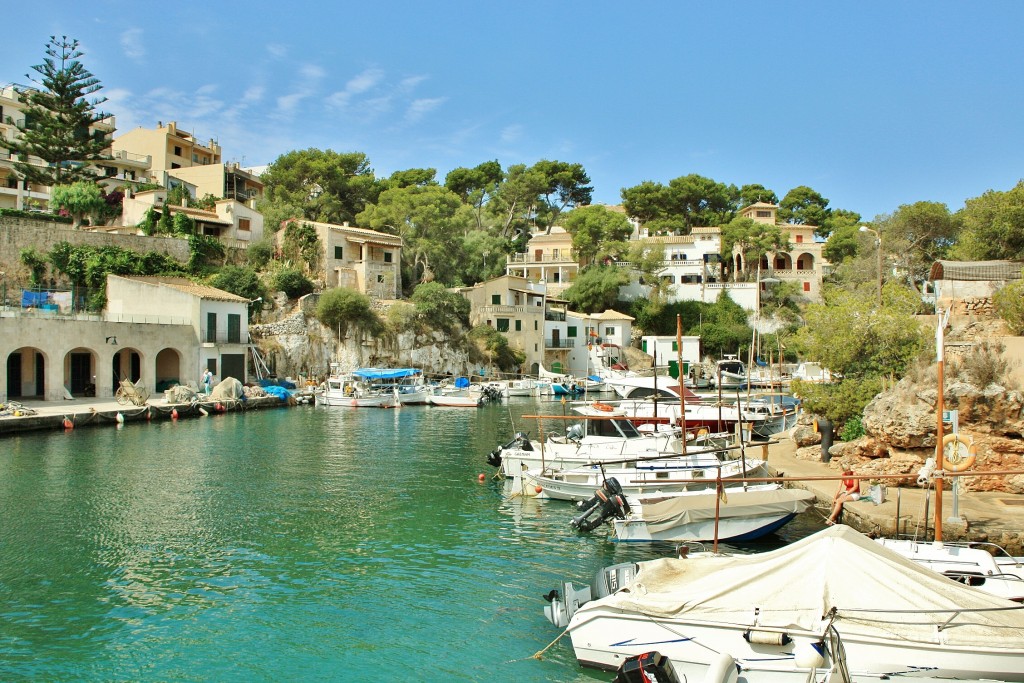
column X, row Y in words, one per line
column 682, row 386
column 879, row 236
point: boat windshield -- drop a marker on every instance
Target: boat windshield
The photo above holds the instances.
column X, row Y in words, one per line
column 613, row 428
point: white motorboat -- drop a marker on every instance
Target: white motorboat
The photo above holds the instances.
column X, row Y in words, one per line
column 522, row 387
column 456, row 398
column 642, row 480
column 737, row 515
column 606, row 440
column 985, row 566
column 730, row 373
column 836, row 598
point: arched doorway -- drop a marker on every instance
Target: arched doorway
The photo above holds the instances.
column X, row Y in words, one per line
column 783, row 261
column 805, row 262
column 80, row 372
column 26, row 373
column 125, row 364
column 168, row 370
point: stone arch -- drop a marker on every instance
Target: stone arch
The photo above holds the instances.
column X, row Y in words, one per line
column 80, row 371
column 739, row 264
column 805, row 261
column 168, row 369
column 26, row 373
column 782, row 261
column 125, row 363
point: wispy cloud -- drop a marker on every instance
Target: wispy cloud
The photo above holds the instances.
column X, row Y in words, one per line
column 277, row 50
column 421, row 107
column 510, row 134
column 132, row 44
column 309, row 78
column 356, row 86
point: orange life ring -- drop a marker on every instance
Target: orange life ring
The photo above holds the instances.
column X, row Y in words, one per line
column 960, row 464
column 604, row 407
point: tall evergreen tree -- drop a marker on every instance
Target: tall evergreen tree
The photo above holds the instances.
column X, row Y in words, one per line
column 59, row 119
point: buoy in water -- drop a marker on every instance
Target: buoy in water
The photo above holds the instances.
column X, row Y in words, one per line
column 68, row 424
column 481, row 477
column 538, row 489
column 149, row 414
column 218, row 407
column 202, row 411
column 120, row 419
column 174, row 413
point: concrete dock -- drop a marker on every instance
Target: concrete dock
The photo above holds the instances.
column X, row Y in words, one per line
column 909, row 509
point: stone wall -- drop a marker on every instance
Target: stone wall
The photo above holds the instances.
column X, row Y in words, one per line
column 21, row 233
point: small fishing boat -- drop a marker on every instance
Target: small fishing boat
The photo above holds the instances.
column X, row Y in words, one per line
column 733, row 514
column 835, row 598
column 461, row 394
column 353, row 390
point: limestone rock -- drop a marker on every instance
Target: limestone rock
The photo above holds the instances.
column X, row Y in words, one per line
column 804, row 435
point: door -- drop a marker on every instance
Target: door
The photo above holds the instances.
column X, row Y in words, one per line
column 14, row 375
column 233, row 365
column 81, row 372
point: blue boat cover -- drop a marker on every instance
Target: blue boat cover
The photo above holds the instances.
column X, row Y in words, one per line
column 461, row 382
column 280, row 392
column 594, row 378
column 385, row 373
column 760, row 363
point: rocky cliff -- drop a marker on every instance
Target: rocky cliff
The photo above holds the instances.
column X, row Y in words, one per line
column 295, row 344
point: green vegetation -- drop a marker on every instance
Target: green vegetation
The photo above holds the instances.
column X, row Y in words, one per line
column 292, row 282
column 596, row 288
column 245, row 282
column 340, row 308
column 1009, row 305
column 440, row 309
column 36, row 264
column 80, row 199
column 493, row 347
column 59, row 120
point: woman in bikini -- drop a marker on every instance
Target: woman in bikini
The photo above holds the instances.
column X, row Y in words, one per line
column 849, row 489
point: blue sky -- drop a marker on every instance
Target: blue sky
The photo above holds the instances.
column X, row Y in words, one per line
column 872, row 104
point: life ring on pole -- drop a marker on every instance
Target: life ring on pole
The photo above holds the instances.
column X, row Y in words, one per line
column 955, row 461
column 603, row 407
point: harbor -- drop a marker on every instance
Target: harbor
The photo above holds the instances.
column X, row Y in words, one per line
column 317, row 542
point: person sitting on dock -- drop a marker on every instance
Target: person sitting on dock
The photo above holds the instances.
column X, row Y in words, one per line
column 849, row 489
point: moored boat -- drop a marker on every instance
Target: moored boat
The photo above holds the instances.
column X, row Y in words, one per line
column 836, row 598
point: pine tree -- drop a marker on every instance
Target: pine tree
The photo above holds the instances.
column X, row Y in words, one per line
column 59, row 118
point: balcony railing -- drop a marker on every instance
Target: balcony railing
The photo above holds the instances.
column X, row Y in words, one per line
column 222, row 337
column 559, row 343
column 543, row 258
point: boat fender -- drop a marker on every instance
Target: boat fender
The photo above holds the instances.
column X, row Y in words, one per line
column 723, row 669
column 766, row 637
column 603, row 407
column 959, row 464
column 809, row 655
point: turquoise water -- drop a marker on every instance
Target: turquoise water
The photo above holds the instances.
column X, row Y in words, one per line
column 300, row 544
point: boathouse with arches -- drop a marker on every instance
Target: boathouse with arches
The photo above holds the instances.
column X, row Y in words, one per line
column 155, row 330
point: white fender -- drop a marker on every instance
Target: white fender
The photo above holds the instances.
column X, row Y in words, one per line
column 722, row 670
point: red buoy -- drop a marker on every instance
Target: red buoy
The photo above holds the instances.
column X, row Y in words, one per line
column 538, row 489
column 174, row 413
column 481, row 477
column 68, row 424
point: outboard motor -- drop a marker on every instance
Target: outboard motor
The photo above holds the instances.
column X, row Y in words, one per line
column 523, row 440
column 607, row 502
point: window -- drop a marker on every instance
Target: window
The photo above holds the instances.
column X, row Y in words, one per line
column 535, row 328
column 387, row 257
column 643, row 345
column 519, row 325
column 173, row 165
column 571, row 332
column 807, row 286
column 195, row 158
column 609, row 331
column 764, row 214
column 211, row 327
column 234, row 328
column 675, row 346
column 177, row 151
column 380, row 278
column 339, row 252
column 243, row 224
column 495, row 299
column 502, row 324
column 212, row 364
column 799, row 239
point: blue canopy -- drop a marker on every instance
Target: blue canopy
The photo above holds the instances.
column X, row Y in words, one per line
column 462, row 382
column 385, row 373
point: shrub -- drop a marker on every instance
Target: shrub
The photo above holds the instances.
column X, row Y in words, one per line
column 403, row 317
column 183, row 224
column 292, row 282
column 853, row 429
column 1009, row 305
column 341, row 307
column 241, row 281
column 259, row 254
column 982, row 365
column 493, row 346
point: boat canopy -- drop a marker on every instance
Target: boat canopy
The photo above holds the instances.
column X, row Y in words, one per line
column 385, row 373
column 875, row 592
column 680, row 510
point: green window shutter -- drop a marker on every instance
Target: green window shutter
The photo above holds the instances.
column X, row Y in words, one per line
column 495, row 299
column 571, row 332
column 519, row 325
column 502, row 324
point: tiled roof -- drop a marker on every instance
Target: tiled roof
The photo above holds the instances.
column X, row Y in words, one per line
column 361, row 232
column 188, row 287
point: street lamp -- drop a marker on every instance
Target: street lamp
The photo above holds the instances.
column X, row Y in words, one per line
column 878, row 245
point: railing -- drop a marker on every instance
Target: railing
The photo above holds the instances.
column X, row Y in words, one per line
column 554, row 316
column 496, row 309
column 559, row 343
column 125, row 155
column 222, row 337
column 544, row 258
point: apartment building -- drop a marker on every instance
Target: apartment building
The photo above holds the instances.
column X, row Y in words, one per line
column 803, row 262
column 515, row 307
column 549, row 259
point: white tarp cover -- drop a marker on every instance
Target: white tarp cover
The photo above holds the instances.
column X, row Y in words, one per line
column 682, row 510
column 876, row 592
column 229, row 388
